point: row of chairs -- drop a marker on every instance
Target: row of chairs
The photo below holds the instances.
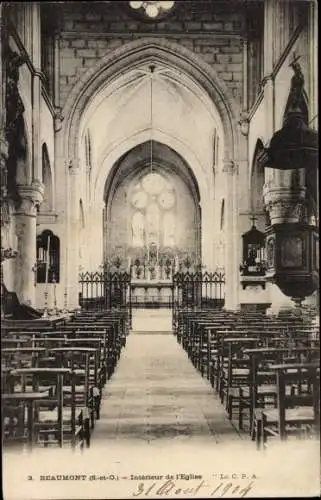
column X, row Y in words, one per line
column 52, row 378
column 265, row 370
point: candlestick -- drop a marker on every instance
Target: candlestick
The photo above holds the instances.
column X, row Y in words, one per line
column 34, row 269
column 48, row 258
column 55, row 298
column 65, row 300
column 45, row 311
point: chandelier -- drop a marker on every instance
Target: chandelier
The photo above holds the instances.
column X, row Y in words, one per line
column 152, row 8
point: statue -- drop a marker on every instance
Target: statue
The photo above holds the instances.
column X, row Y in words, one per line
column 14, row 104
column 14, row 125
column 296, row 102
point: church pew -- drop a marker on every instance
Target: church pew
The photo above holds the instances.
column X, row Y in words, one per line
column 13, row 343
column 27, row 424
column 112, row 346
column 297, row 413
column 199, row 343
column 82, row 361
column 22, row 357
column 266, row 336
column 261, row 391
column 233, row 367
column 94, row 342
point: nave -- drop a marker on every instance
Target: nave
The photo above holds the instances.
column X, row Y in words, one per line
column 156, row 395
column 139, row 403
column 76, row 381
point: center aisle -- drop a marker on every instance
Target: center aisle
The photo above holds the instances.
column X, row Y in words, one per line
column 156, row 394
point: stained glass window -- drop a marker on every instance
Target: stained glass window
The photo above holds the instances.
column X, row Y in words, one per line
column 153, row 203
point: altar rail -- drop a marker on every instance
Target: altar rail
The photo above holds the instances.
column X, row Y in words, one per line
column 105, row 291
column 182, row 290
column 199, row 290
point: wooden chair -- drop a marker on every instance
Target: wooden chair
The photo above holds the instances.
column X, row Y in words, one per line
column 298, row 410
column 46, row 395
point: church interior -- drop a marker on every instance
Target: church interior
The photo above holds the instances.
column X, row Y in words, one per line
column 159, row 222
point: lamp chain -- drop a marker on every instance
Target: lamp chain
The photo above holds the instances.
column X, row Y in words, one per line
column 152, row 68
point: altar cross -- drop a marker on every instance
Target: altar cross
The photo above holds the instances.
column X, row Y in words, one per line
column 253, row 218
column 295, row 58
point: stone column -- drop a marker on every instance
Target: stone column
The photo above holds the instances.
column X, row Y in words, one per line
column 232, row 240
column 36, row 92
column 73, row 234
column 268, row 81
column 25, row 217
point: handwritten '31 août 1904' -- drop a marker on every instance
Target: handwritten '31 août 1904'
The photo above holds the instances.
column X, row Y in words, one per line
column 170, row 487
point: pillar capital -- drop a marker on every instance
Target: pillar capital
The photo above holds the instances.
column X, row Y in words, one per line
column 230, row 167
column 31, row 197
column 285, row 205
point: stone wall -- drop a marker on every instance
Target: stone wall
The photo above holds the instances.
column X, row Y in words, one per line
column 206, row 28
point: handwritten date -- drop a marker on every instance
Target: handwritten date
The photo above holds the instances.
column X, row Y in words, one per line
column 170, row 487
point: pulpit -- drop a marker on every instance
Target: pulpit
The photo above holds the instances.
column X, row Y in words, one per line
column 290, row 196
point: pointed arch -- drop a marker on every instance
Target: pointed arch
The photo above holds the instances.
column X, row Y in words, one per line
column 48, row 257
column 136, row 52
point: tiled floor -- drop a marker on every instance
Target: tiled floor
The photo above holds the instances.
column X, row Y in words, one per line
column 156, row 395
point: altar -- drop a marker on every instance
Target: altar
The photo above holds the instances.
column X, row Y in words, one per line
column 152, row 285
column 159, row 236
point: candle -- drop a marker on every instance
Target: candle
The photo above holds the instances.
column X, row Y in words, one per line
column 47, row 259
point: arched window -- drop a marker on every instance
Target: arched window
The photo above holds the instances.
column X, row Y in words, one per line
column 153, row 203
column 48, row 258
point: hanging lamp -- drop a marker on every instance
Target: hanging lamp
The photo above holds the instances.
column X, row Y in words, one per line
column 152, row 69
